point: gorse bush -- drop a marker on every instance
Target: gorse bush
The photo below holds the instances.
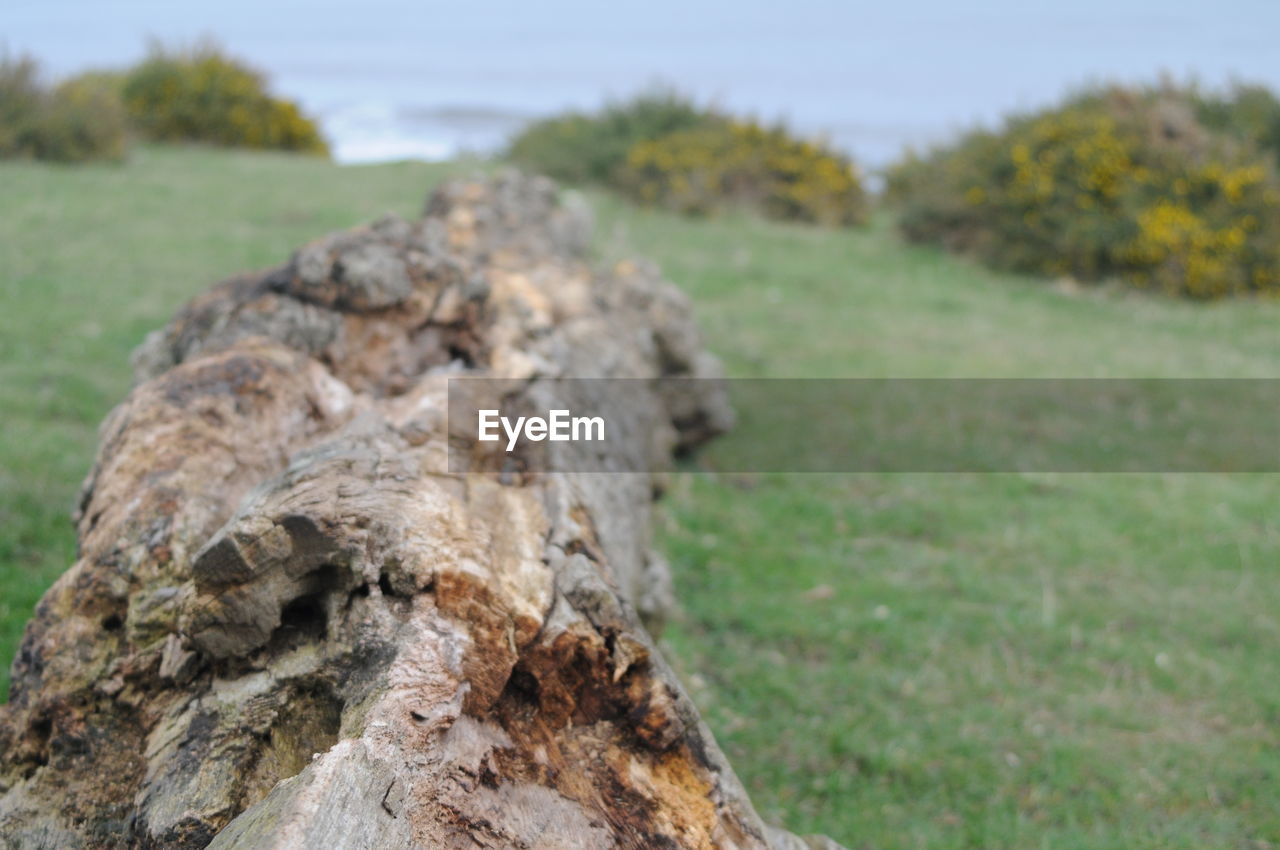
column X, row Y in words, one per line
column 590, row 148
column 1146, row 185
column 202, row 95
column 82, row 119
column 85, row 120
column 1247, row 112
column 172, row 96
column 660, row 148
column 21, row 100
column 742, row 164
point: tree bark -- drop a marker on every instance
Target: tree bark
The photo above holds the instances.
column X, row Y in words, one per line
column 291, row 626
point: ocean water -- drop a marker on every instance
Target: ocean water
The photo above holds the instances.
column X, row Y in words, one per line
column 391, row 79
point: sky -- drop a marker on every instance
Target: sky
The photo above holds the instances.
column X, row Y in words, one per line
column 389, row 78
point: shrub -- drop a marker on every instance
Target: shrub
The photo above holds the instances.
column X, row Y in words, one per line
column 85, row 120
column 20, row 101
column 745, row 164
column 1115, row 182
column 82, row 119
column 1248, row 112
column 590, row 148
column 202, row 95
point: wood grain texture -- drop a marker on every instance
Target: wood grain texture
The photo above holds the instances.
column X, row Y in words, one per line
column 290, row 626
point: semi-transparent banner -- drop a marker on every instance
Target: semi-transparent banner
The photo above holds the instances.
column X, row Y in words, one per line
column 864, row 425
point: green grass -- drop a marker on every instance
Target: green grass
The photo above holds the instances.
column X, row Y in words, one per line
column 900, row 661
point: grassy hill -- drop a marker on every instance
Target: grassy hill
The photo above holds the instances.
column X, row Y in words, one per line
column 900, row 661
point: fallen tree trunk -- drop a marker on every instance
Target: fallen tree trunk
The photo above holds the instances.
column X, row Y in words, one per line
column 290, row 626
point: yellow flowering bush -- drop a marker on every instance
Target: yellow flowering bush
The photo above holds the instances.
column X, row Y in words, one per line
column 745, row 164
column 81, row 119
column 1249, row 112
column 204, row 96
column 579, row 147
column 1130, row 184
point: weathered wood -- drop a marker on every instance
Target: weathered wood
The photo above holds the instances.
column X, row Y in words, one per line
column 289, row 626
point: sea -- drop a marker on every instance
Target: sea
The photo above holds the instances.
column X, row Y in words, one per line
column 418, row 79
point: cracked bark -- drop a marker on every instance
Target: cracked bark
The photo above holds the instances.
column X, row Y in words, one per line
column 289, row 626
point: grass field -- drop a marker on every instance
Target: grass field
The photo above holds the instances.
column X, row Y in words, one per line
column 900, row 661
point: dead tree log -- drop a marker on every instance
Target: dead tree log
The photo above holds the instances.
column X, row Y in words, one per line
column 289, row 626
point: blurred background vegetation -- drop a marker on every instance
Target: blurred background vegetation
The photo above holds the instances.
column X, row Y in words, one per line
column 198, row 94
column 942, row 661
column 1168, row 188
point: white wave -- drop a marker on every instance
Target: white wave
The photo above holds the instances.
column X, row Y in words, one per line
column 357, row 150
